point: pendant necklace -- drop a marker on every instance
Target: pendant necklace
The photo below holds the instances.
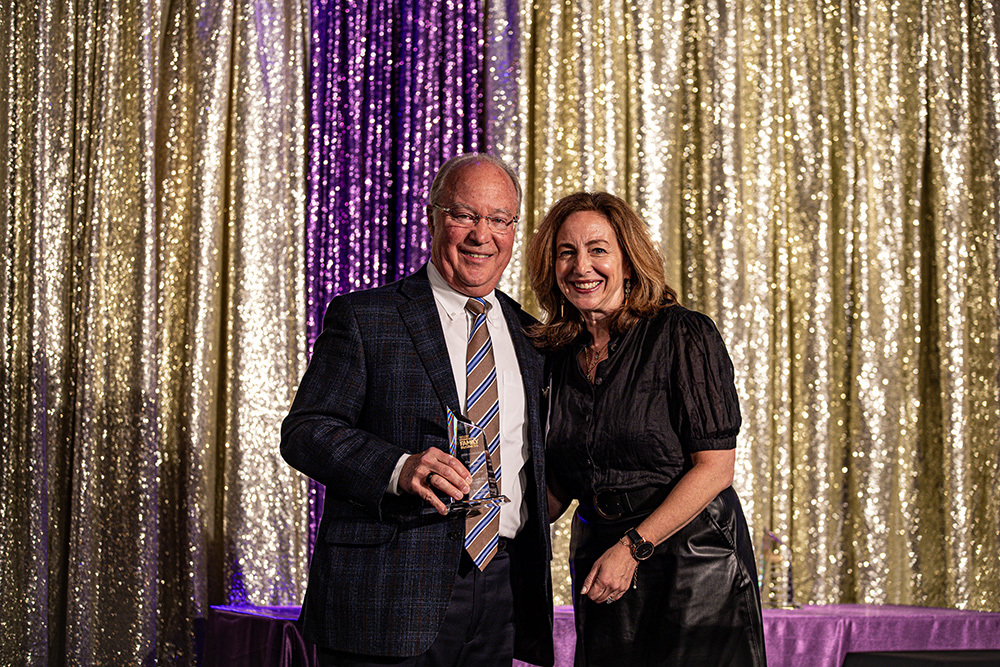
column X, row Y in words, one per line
column 593, row 358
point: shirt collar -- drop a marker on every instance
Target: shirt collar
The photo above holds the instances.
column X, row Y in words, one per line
column 584, row 338
column 453, row 302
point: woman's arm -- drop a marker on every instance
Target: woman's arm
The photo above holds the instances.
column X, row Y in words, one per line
column 558, row 500
column 711, row 472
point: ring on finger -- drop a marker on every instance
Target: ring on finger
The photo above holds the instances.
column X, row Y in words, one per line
column 427, row 480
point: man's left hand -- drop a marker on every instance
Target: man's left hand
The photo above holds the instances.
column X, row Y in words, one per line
column 433, row 469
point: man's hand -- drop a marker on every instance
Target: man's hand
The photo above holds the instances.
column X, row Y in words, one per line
column 434, row 469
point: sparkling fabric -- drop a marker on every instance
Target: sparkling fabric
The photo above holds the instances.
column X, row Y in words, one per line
column 823, row 180
column 506, row 116
column 153, row 313
column 395, row 90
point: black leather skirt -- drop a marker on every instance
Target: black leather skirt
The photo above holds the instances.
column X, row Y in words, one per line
column 695, row 602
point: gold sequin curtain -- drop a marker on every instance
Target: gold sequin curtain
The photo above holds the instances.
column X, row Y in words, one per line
column 152, row 162
column 822, row 178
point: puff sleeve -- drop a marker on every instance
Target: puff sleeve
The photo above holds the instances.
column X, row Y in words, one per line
column 708, row 408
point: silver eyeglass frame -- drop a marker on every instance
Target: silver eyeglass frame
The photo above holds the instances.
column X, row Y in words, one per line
column 495, row 224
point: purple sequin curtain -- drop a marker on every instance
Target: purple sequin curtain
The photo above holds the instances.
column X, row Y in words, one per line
column 396, row 89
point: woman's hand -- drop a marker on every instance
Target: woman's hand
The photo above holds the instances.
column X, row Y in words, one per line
column 611, row 576
column 712, row 471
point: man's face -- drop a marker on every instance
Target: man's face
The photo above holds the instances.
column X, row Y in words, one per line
column 472, row 259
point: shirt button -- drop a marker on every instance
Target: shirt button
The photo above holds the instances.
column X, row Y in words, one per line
column 598, row 381
column 588, row 418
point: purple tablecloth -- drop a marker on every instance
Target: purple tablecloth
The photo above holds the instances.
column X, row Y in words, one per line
column 256, row 637
column 823, row 635
column 819, row 636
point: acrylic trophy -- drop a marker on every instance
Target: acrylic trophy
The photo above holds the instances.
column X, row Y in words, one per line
column 467, row 443
column 776, row 588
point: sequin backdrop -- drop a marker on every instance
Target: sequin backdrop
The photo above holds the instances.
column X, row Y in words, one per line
column 396, row 90
column 823, row 180
column 153, row 313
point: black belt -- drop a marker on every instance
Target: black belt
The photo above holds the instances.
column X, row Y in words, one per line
column 614, row 504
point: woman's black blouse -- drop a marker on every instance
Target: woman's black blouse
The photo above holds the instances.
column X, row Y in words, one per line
column 665, row 390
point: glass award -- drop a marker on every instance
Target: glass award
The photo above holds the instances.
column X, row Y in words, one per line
column 467, row 443
column 776, row 589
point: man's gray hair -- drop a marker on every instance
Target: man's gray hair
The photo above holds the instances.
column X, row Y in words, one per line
column 443, row 178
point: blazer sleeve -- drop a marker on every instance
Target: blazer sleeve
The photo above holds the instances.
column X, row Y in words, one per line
column 320, row 436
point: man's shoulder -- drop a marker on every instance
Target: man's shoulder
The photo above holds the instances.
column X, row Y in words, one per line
column 385, row 295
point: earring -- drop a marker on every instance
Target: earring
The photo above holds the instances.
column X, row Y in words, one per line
column 562, row 304
column 628, row 288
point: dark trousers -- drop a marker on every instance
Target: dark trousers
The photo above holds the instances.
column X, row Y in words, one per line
column 478, row 627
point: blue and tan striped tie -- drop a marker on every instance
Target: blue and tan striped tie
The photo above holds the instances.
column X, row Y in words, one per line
column 483, row 409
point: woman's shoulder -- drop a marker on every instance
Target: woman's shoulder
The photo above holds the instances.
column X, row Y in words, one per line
column 676, row 320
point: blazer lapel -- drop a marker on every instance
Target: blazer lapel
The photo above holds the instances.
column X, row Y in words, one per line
column 526, row 355
column 420, row 315
column 527, row 359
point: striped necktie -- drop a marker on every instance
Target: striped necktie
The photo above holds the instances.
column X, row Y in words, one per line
column 483, row 409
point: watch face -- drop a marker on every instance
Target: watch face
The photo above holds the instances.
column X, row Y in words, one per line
column 643, row 550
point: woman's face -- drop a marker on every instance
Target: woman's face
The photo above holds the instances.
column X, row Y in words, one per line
column 590, row 265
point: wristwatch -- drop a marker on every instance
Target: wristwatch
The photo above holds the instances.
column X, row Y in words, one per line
column 641, row 548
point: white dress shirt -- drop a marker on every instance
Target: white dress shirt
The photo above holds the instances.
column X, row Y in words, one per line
column 456, row 322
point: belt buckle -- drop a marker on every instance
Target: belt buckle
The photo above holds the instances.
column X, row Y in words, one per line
column 597, row 506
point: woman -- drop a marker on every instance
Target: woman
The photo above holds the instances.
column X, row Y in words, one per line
column 643, row 417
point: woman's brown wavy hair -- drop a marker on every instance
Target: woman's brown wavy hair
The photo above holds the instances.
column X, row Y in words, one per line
column 562, row 322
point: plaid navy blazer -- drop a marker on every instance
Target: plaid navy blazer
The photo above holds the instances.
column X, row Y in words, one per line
column 382, row 569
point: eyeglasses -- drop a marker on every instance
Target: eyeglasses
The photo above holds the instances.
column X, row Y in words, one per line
column 463, row 217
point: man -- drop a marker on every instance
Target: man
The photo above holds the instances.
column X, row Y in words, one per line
column 395, row 578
